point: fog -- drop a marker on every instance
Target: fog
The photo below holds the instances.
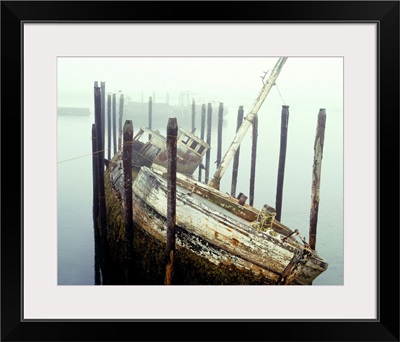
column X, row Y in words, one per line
column 303, row 80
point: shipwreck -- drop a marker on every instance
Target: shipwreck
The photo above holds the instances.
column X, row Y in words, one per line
column 220, row 239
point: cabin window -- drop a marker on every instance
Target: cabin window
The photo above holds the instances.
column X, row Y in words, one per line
column 185, row 139
column 193, row 145
column 151, row 152
column 201, row 149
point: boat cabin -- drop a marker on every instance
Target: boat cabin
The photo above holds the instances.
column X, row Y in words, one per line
column 151, row 147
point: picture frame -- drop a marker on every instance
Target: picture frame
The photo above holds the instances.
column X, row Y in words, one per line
column 384, row 328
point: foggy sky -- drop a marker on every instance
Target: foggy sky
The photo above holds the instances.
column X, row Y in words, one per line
column 303, row 80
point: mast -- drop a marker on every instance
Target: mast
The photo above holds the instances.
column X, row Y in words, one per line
column 248, row 120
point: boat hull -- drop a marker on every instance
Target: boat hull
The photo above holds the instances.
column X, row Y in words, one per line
column 216, row 235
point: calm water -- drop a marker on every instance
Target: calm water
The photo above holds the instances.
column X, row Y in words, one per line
column 75, row 226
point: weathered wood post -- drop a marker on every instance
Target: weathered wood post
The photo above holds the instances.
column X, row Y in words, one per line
column 109, row 124
column 193, row 116
column 172, row 133
column 219, row 144
column 97, row 260
column 203, row 124
column 103, row 109
column 121, row 115
column 235, row 166
column 128, row 211
column 316, row 176
column 114, row 103
column 150, row 115
column 100, row 167
column 208, row 153
column 97, row 239
column 282, row 159
column 253, row 159
column 95, row 165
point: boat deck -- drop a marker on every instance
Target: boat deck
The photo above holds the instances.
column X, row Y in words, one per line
column 213, row 206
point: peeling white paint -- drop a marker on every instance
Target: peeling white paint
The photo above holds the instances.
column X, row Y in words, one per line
column 230, row 239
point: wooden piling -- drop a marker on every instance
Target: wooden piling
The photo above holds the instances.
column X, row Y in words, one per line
column 172, row 133
column 235, row 166
column 128, row 211
column 193, row 116
column 109, row 124
column 96, row 233
column 150, row 115
column 208, row 153
column 103, row 108
column 282, row 159
column 219, row 143
column 97, row 260
column 121, row 115
column 100, row 174
column 114, row 103
column 95, row 165
column 253, row 159
column 316, row 175
column 203, row 123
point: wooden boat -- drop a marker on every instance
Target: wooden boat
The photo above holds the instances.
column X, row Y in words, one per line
column 210, row 223
column 191, row 150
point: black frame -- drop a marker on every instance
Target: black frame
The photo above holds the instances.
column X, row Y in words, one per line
column 385, row 13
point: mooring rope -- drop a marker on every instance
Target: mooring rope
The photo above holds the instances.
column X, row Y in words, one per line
column 84, row 155
column 130, row 143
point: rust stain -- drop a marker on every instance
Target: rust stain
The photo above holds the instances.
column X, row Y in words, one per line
column 235, row 242
column 216, row 234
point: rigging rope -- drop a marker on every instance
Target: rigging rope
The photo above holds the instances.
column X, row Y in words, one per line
column 280, row 94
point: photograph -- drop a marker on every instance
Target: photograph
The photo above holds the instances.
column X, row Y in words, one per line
column 268, row 129
column 194, row 171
